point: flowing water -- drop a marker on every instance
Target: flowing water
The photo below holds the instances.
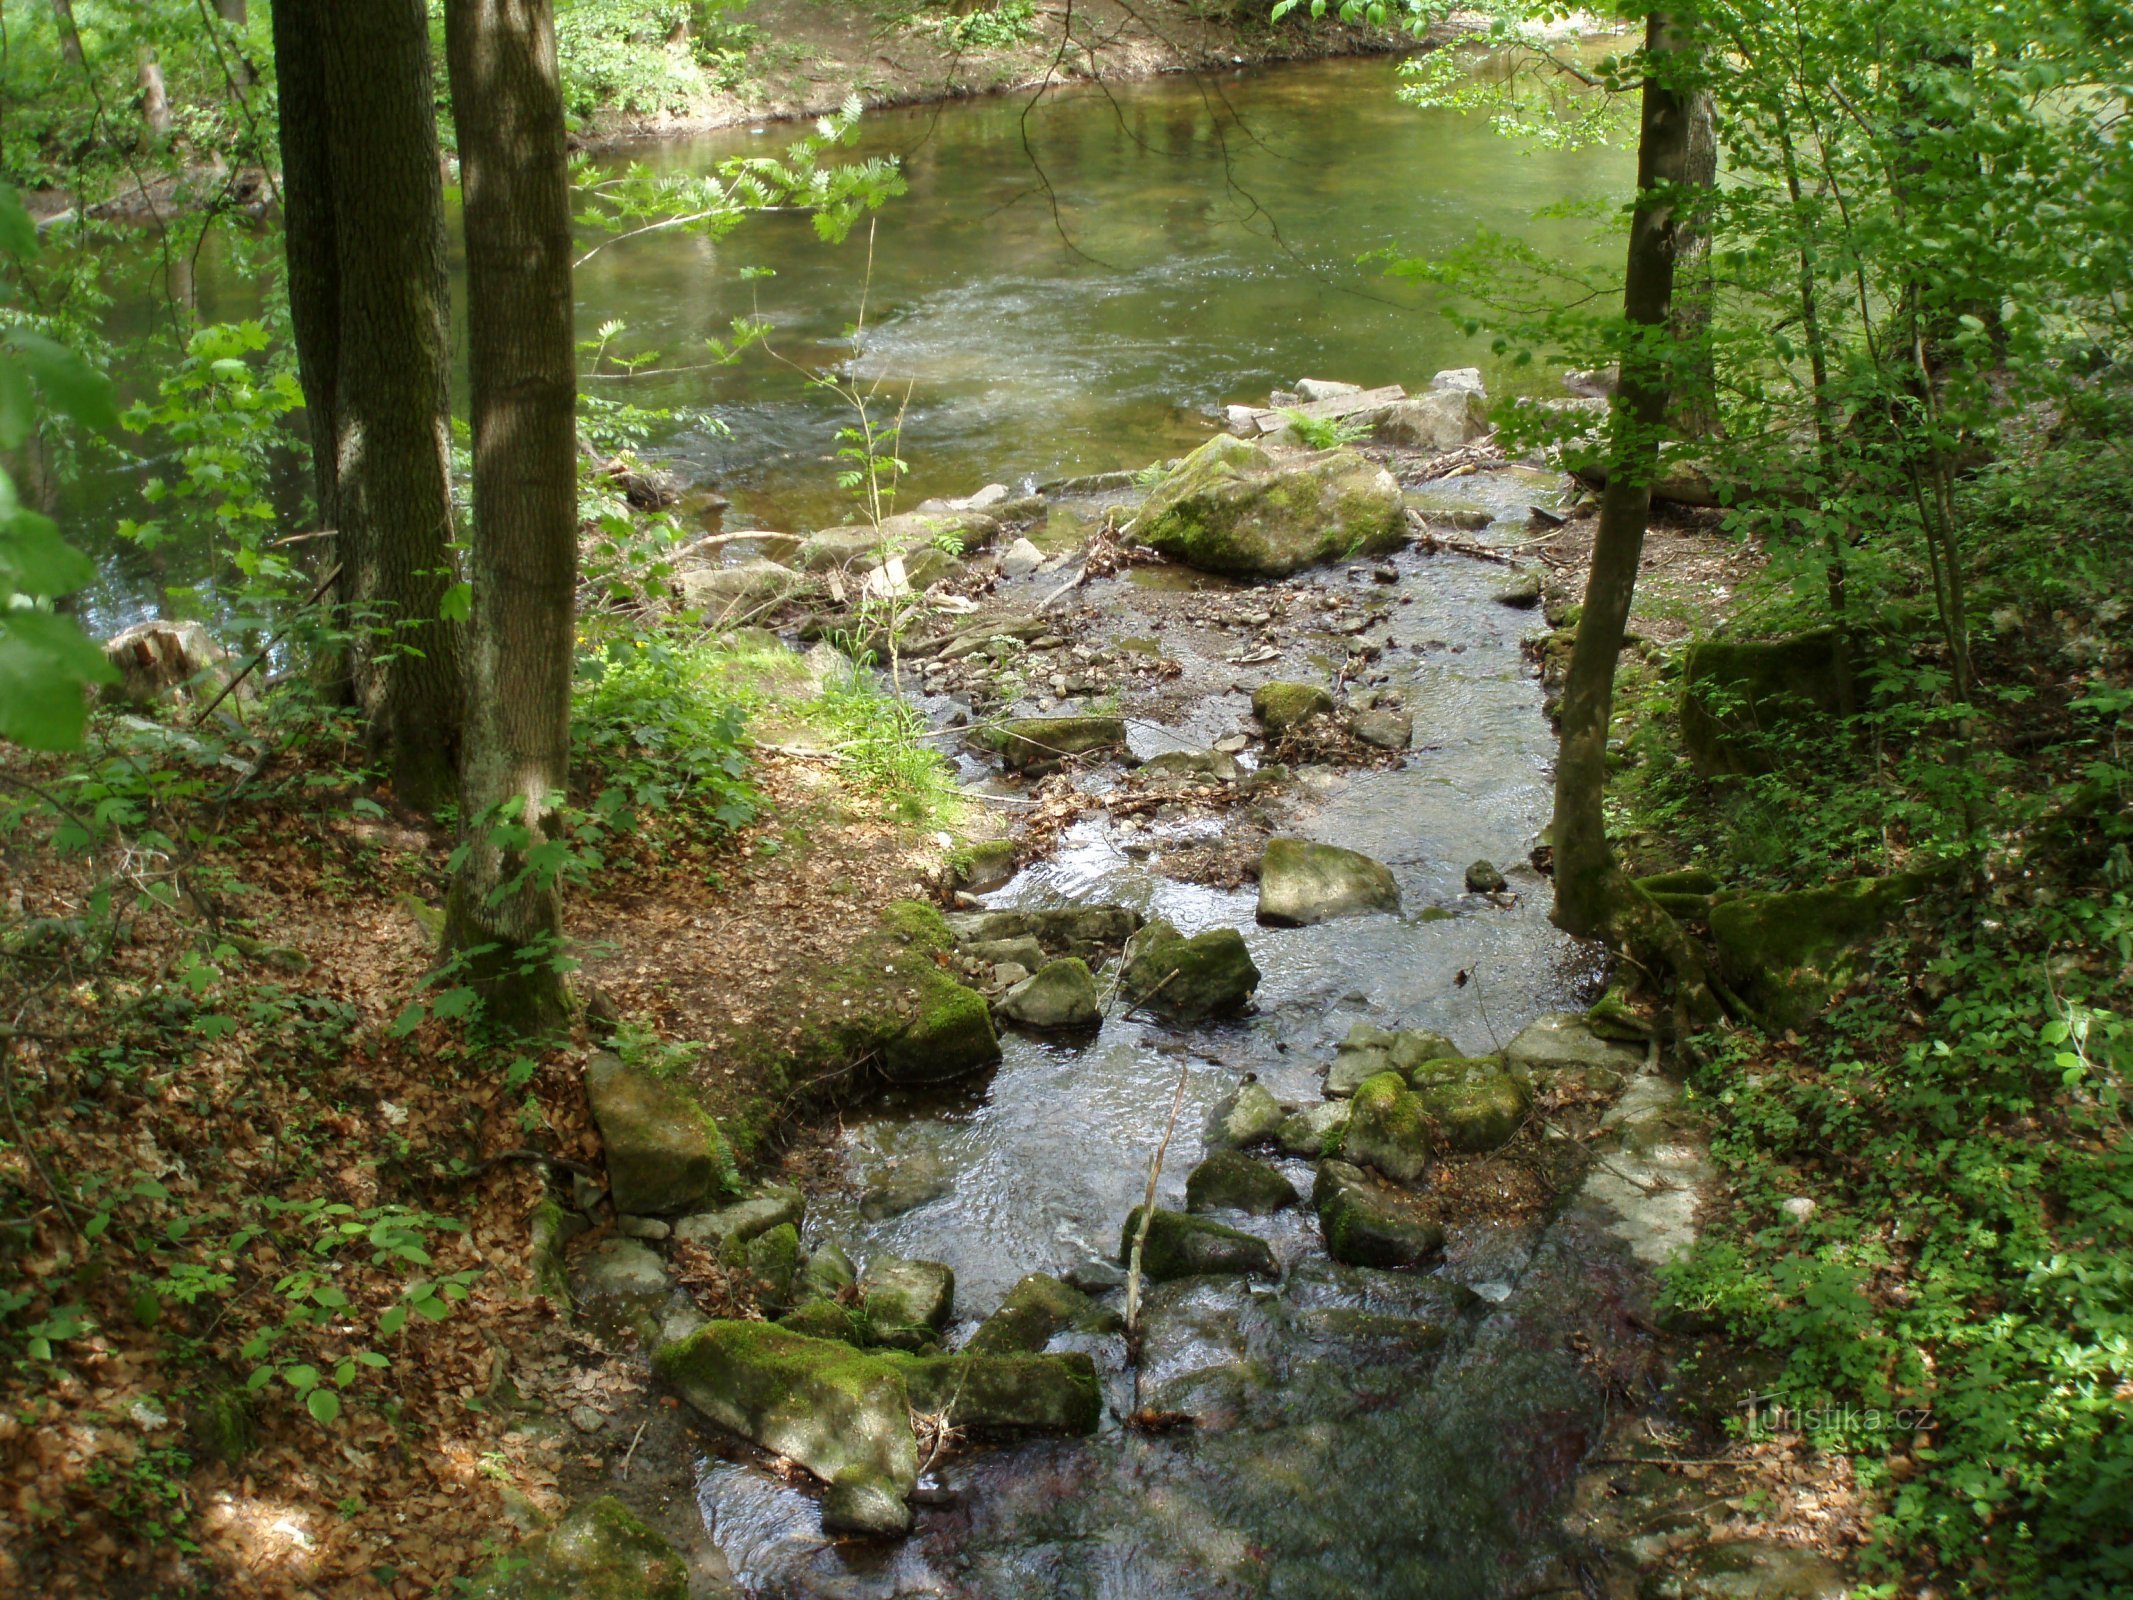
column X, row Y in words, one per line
column 1072, row 285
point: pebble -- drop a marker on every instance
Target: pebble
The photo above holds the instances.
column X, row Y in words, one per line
column 1799, row 1208
column 586, row 1420
column 641, row 1228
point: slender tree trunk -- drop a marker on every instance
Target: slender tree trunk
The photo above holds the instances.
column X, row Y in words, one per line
column 1695, row 388
column 69, row 33
column 231, row 11
column 508, row 104
column 368, row 296
column 1593, row 896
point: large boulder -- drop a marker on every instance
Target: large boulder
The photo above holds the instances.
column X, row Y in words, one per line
column 1282, row 706
column 1368, row 1225
column 1387, row 1129
column 664, row 1153
column 1036, row 1308
column 1229, row 1180
column 1786, row 953
column 1440, row 420
column 747, row 584
column 1183, row 1246
column 1301, row 883
column 1740, row 699
column 1062, row 995
column 1231, row 507
column 1038, row 744
column 1209, row 975
column 600, row 1551
column 1474, row 1105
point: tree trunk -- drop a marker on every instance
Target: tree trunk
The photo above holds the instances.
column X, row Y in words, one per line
column 509, row 108
column 1593, row 896
column 69, row 33
column 155, row 104
column 1695, row 388
column 231, row 11
column 368, row 296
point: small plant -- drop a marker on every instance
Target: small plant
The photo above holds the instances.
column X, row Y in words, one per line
column 1323, row 433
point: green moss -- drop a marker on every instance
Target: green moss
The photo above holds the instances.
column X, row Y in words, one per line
column 773, row 1260
column 1787, row 952
column 550, row 1277
column 1018, row 1393
column 1211, row 974
column 1229, row 1180
column 1387, row 1129
column 1369, row 1226
column 1181, row 1246
column 601, row 1551
column 1740, row 697
column 1038, row 1307
column 1282, row 706
column 824, row 1319
column 1475, row 1105
column 222, row 1426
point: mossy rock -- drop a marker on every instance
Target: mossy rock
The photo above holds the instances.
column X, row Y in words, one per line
column 984, row 866
column 827, row 1274
column 1282, row 706
column 1314, row 1130
column 1740, row 699
column 663, row 1153
column 1475, row 1106
column 1415, row 1048
column 1061, row 996
column 907, row 1303
column 1230, row 507
column 1302, row 883
column 773, row 1261
column 1005, row 1393
column 1786, row 953
column 222, row 1425
column 1209, row 975
column 1036, row 1309
column 1089, row 932
column 824, row 1319
column 601, row 1551
column 1688, row 880
column 1038, row 744
column 1182, row 1246
column 1366, row 1052
column 1248, row 1115
column 1387, row 1129
column 771, row 1206
column 1229, row 1180
column 1368, row 1225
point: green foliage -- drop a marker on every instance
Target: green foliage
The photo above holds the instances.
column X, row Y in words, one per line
column 44, row 660
column 1324, row 433
column 997, row 27
column 656, row 727
column 624, row 55
column 882, row 745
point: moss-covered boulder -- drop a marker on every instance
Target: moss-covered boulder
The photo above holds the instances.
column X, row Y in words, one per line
column 1062, row 995
column 1475, row 1105
column 1282, row 706
column 1231, row 507
column 1740, row 699
column 824, row 1319
column 601, row 1551
column 1314, row 1130
column 843, row 1414
column 1209, row 975
column 947, row 1034
column 1229, row 1180
column 1786, row 953
column 1182, row 1246
column 1036, row 1309
column 1387, row 1129
column 907, row 1303
column 1248, row 1115
column 772, row 1260
column 1038, row 744
column 826, row 1274
column 663, row 1153
column 1565, row 1042
column 1005, row 1393
column 1367, row 1224
column 1301, row 883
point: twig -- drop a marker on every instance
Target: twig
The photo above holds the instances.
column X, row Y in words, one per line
column 229, row 688
column 1140, row 1236
column 630, row 1454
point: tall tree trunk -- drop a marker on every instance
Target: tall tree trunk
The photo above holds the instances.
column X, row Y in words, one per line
column 1694, row 397
column 69, row 33
column 368, row 296
column 508, row 105
column 1593, row 896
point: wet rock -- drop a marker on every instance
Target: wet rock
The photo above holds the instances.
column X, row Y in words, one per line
column 865, row 1506
column 1282, row 706
column 663, row 1153
column 948, row 1036
column 1739, row 698
column 1366, row 1052
column 1564, row 1041
column 736, row 588
column 1441, row 420
column 1023, row 952
column 984, row 866
column 827, row 1273
column 1228, row 1180
column 1213, row 766
column 907, row 1302
column 1301, row 883
column 1414, row 1048
column 909, row 1182
column 158, row 658
column 768, row 1208
column 1038, row 744
column 1062, row 995
column 1089, row 932
column 679, row 1323
column 1383, row 728
column 773, row 1261
column 617, row 1269
column 1475, row 1105
column 1037, row 1308
column 1209, row 975
column 1230, row 507
column 600, row 1551
column 1020, row 559
column 1183, row 1246
column 1095, row 1277
column 961, row 531
column 1483, row 878
column 1523, row 591
column 1786, row 953
column 1246, row 1116
column 1387, row 1129
column 1005, row 1393
column 1368, row 1225
column 1314, row 1130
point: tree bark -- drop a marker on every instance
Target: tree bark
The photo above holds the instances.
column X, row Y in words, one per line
column 509, row 108
column 69, row 33
column 231, row 11
column 1694, row 398
column 1593, row 896
column 368, row 297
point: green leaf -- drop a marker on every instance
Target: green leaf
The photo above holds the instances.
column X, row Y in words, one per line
column 44, row 661
column 69, row 384
column 323, row 1404
column 18, row 234
column 392, row 1319
column 302, row 1377
column 457, row 603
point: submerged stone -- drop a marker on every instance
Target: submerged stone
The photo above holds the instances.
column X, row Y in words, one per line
column 600, row 1551
column 1368, row 1225
column 1209, row 975
column 1387, row 1129
column 1183, row 1246
column 1062, row 995
column 1282, row 706
column 1247, row 1115
column 1037, row 1308
column 1229, row 1180
column 1231, row 507
column 663, row 1152
column 1301, row 883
